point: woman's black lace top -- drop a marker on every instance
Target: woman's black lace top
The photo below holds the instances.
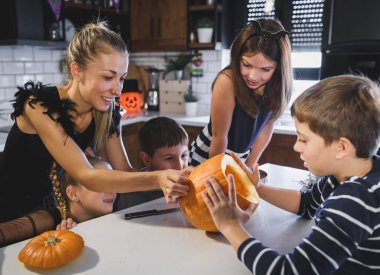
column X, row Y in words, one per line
column 25, row 163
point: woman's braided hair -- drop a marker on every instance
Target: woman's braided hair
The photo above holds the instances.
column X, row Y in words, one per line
column 60, row 194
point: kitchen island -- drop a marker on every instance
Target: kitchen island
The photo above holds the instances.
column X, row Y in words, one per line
column 168, row 244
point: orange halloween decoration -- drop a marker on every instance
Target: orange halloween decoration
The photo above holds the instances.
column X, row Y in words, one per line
column 131, row 101
column 52, row 249
column 219, row 167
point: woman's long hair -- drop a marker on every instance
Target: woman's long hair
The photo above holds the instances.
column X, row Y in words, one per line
column 266, row 36
column 86, row 45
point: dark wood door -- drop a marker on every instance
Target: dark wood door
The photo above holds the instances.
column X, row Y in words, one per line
column 158, row 25
column 280, row 151
column 131, row 143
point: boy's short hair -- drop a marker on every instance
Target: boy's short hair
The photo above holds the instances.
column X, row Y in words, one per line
column 342, row 106
column 161, row 132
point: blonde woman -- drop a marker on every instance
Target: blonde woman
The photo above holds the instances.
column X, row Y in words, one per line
column 58, row 123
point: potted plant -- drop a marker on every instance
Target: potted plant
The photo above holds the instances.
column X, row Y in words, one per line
column 191, row 102
column 205, row 29
column 178, row 64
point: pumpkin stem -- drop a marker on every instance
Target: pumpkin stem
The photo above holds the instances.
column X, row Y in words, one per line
column 52, row 240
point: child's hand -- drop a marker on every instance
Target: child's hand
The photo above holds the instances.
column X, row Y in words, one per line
column 224, row 210
column 66, row 224
column 253, row 175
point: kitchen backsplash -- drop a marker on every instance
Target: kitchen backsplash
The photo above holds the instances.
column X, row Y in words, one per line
column 214, row 61
column 18, row 64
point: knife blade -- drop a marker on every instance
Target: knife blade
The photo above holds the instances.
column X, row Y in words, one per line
column 153, row 212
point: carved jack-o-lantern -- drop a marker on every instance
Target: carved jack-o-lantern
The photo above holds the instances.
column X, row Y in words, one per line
column 219, row 166
column 131, row 101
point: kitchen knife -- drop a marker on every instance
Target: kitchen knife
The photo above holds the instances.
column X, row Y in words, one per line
column 153, row 212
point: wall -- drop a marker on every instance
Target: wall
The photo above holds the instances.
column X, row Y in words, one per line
column 18, row 64
column 214, row 61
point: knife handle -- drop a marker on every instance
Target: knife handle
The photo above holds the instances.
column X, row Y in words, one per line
column 140, row 214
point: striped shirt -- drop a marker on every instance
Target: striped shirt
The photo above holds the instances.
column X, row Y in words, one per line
column 242, row 133
column 345, row 239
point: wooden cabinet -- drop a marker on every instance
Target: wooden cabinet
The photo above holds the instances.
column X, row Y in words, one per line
column 158, row 25
column 192, row 132
column 280, row 151
column 130, row 136
column 170, row 25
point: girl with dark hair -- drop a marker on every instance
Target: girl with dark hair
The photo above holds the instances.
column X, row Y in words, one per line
column 248, row 95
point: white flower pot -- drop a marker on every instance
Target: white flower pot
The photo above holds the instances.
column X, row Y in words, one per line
column 191, row 108
column 178, row 74
column 205, row 35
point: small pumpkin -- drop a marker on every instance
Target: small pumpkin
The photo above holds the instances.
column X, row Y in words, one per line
column 52, row 249
column 219, row 167
column 131, row 101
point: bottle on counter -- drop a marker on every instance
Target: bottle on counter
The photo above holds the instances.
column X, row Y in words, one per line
column 153, row 93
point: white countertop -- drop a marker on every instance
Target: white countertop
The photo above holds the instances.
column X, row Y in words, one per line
column 285, row 126
column 282, row 127
column 168, row 244
column 199, row 121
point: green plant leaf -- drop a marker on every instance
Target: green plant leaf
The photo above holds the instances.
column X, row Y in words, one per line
column 205, row 22
column 178, row 63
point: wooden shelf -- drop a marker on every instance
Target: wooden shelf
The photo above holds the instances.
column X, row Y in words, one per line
column 201, row 7
column 201, row 45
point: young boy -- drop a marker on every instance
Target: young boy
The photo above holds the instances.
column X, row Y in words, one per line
column 164, row 145
column 338, row 127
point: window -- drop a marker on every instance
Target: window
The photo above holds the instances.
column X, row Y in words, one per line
column 260, row 9
column 302, row 17
column 307, row 25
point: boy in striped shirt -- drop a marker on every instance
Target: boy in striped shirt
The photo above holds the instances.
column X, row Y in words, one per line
column 338, row 127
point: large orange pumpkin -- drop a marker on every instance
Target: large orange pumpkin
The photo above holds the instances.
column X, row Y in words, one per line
column 219, row 167
column 52, row 249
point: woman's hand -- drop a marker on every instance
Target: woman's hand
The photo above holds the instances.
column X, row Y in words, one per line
column 252, row 174
column 224, row 209
column 174, row 183
column 66, row 224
